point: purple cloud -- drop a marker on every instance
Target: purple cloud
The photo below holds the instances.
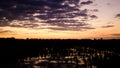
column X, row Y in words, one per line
column 86, row 2
column 93, row 16
column 62, row 11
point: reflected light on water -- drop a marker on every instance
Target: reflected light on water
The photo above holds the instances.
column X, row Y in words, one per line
column 74, row 58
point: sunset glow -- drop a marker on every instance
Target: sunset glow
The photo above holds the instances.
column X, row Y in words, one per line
column 65, row 19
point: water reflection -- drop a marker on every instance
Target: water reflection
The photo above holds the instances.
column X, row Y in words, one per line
column 77, row 57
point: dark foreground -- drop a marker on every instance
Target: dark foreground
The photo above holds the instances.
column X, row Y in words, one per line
column 37, row 53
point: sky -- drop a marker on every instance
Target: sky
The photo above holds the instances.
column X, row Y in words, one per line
column 60, row 19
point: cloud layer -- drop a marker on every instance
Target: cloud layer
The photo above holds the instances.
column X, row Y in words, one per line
column 65, row 14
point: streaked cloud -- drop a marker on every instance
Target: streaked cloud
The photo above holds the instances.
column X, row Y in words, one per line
column 118, row 34
column 5, row 31
column 107, row 26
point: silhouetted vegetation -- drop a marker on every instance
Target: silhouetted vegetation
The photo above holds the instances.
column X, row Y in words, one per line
column 12, row 50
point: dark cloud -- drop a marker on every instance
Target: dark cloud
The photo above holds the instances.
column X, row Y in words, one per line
column 52, row 12
column 117, row 15
column 93, row 16
column 107, row 26
column 86, row 2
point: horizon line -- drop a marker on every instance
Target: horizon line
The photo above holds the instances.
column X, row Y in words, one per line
column 61, row 38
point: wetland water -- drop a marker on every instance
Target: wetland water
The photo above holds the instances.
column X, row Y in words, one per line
column 58, row 54
column 76, row 57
